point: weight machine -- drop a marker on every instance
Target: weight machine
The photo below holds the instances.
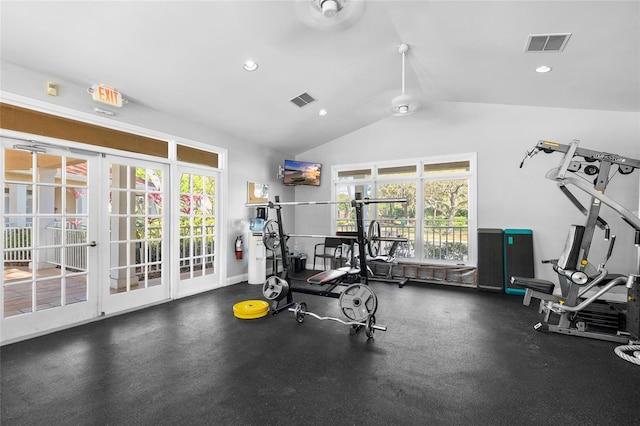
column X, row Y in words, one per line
column 349, row 285
column 581, row 309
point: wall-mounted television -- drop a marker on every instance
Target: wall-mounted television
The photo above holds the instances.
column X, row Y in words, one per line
column 301, row 173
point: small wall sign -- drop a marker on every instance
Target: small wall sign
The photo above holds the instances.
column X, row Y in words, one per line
column 106, row 95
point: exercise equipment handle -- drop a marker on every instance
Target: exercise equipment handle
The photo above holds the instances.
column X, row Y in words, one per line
column 614, row 282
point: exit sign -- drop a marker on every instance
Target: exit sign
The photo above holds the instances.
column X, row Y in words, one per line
column 107, row 95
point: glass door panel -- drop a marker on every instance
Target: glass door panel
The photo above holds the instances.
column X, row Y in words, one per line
column 136, row 234
column 197, row 231
column 47, row 224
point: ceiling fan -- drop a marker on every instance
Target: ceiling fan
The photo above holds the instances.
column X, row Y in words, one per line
column 404, row 104
column 329, row 15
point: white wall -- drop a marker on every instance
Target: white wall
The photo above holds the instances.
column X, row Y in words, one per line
column 508, row 197
column 246, row 161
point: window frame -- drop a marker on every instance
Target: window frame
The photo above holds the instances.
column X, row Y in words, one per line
column 377, row 179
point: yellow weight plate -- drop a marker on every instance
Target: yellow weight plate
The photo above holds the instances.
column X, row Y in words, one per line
column 251, row 309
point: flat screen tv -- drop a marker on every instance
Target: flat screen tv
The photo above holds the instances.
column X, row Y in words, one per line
column 301, row 173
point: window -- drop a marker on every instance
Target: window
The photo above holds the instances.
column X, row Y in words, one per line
column 397, row 171
column 354, row 174
column 438, row 219
column 397, row 219
column 345, row 214
column 446, row 231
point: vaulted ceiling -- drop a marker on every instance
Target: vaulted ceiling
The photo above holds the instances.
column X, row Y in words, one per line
column 185, row 58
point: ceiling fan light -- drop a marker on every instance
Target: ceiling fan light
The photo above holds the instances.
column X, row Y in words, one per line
column 329, row 8
column 329, row 15
column 404, row 105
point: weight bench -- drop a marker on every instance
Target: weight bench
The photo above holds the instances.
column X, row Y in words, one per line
column 334, row 276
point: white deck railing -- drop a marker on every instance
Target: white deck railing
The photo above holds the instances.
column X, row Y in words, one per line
column 439, row 242
column 75, row 252
column 17, row 241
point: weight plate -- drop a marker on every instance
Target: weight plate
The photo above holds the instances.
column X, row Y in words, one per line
column 250, row 309
column 275, row 288
column 373, row 243
column 370, row 323
column 358, row 302
column 300, row 311
column 271, row 235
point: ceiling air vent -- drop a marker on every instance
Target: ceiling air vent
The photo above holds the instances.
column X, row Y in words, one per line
column 547, row 42
column 303, row 99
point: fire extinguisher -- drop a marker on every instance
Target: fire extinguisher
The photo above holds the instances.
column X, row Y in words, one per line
column 239, row 247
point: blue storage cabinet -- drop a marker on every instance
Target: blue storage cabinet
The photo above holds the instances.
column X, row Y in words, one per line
column 518, row 258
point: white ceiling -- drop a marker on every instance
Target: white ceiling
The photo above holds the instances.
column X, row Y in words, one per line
column 185, row 58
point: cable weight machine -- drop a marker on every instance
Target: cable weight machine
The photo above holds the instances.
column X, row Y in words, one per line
column 580, row 309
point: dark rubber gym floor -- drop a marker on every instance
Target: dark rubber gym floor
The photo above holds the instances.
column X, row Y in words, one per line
column 451, row 356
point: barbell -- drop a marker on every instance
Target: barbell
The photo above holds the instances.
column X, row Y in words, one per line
column 271, row 237
column 275, row 204
column 357, row 302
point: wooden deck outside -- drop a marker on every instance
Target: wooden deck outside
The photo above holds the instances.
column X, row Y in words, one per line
column 18, row 298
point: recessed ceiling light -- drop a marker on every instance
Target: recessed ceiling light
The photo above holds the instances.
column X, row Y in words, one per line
column 322, row 112
column 250, row 66
column 543, row 69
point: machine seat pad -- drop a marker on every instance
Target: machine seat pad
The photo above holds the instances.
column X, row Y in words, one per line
column 326, row 277
column 543, row 286
column 349, row 270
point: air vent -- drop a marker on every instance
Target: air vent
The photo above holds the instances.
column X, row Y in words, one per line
column 303, row 99
column 547, row 42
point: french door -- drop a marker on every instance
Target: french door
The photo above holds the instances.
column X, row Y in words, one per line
column 136, row 234
column 87, row 235
column 198, row 202
column 50, row 232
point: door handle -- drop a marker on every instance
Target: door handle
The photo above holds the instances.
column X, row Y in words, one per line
column 93, row 244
